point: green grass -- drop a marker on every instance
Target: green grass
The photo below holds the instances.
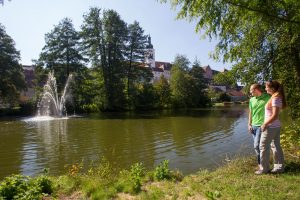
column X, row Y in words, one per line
column 234, row 180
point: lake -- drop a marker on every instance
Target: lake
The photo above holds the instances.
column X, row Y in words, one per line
column 190, row 140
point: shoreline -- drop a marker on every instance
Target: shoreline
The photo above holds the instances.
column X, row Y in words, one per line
column 233, row 180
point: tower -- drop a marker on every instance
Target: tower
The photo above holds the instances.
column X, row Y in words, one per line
column 150, row 54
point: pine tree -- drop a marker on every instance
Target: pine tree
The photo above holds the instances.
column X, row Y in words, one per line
column 136, row 48
column 61, row 52
column 104, row 37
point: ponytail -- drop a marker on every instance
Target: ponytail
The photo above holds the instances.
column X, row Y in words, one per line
column 277, row 87
column 282, row 94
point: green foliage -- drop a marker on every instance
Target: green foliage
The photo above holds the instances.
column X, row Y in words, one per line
column 163, row 91
column 216, row 184
column 12, row 187
column 44, row 184
column 179, row 82
column 213, row 95
column 28, row 108
column 213, row 195
column 61, row 52
column 116, row 80
column 135, row 54
column 225, row 78
column 137, row 172
column 11, row 75
column 104, row 169
column 292, row 91
column 162, row 171
column 104, row 38
column 23, row 187
column 146, row 97
column 103, row 193
column 154, row 193
column 224, row 97
column 95, row 188
column 131, row 181
column 197, row 86
column 290, row 138
column 261, row 38
column 66, row 184
column 187, row 85
column 91, row 96
column 90, row 108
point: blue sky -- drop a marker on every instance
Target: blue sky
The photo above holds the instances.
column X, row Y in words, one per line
column 27, row 22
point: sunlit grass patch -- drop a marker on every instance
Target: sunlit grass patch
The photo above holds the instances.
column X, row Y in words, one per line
column 234, row 180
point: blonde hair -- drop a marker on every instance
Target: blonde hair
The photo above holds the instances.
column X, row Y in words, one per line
column 278, row 88
column 256, row 86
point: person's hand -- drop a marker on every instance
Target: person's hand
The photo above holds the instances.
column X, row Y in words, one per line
column 250, row 129
column 263, row 127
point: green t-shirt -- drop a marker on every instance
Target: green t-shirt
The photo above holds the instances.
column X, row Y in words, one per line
column 257, row 107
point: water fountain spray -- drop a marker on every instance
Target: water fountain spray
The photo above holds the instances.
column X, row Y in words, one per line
column 51, row 103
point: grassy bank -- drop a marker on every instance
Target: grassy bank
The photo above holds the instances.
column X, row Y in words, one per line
column 235, row 180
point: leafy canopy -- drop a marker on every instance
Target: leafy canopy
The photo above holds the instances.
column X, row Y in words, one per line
column 11, row 75
column 261, row 37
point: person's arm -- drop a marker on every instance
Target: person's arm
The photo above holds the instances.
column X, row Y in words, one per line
column 273, row 117
column 250, row 121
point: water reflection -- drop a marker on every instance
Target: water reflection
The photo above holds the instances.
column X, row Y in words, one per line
column 189, row 139
column 10, row 146
column 42, row 142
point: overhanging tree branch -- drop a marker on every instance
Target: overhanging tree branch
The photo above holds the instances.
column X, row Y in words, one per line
column 261, row 11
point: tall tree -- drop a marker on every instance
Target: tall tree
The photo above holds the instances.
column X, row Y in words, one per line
column 225, row 78
column 146, row 97
column 92, row 35
column 61, row 52
column 136, row 54
column 104, row 39
column 11, row 75
column 179, row 82
column 198, row 84
column 163, row 90
column 93, row 46
column 115, row 36
column 261, row 37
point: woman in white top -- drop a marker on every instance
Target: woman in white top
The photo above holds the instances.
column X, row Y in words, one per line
column 270, row 136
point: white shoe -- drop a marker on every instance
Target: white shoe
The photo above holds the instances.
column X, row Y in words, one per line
column 277, row 171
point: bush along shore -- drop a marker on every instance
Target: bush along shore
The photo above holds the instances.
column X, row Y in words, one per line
column 234, row 180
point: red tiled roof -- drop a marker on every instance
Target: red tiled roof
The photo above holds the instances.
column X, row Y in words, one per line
column 236, row 93
column 206, row 67
column 157, row 69
column 164, row 65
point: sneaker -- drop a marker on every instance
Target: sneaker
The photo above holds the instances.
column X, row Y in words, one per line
column 260, row 172
column 277, row 171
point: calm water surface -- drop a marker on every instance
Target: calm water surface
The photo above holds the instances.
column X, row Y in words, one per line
column 190, row 140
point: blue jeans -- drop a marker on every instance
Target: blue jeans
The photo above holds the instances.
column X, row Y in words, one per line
column 256, row 133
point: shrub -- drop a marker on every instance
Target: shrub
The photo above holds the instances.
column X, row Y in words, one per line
column 104, row 169
column 290, row 138
column 131, row 181
column 136, row 173
column 90, row 108
column 12, row 187
column 224, row 97
column 162, row 171
column 23, row 187
column 44, row 184
column 28, row 108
